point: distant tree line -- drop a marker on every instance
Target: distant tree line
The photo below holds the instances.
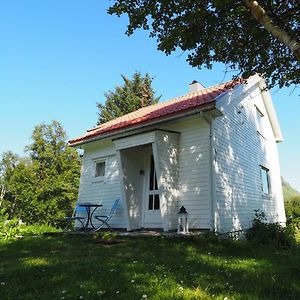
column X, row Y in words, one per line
column 41, row 187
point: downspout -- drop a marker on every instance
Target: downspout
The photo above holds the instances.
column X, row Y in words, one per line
column 213, row 175
column 211, row 172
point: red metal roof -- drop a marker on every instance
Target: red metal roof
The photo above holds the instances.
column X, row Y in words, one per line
column 201, row 99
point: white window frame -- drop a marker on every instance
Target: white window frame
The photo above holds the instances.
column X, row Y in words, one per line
column 265, row 171
column 95, row 162
column 259, row 117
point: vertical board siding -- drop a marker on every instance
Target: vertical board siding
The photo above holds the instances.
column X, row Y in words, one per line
column 239, row 150
column 194, row 182
column 101, row 191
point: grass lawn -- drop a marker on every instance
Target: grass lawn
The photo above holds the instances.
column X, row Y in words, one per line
column 75, row 267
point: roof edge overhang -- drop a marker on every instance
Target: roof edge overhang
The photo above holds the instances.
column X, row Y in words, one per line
column 119, row 132
column 270, row 110
column 260, row 81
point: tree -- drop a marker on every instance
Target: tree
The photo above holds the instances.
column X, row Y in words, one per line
column 42, row 187
column 58, row 168
column 132, row 95
column 8, row 163
column 251, row 36
column 292, row 207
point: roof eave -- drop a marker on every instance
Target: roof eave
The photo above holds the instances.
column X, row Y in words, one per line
column 271, row 111
column 121, row 131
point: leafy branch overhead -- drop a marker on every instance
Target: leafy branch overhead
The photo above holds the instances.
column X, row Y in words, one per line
column 249, row 36
column 135, row 93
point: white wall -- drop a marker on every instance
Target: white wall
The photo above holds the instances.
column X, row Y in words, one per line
column 165, row 150
column 132, row 161
column 105, row 190
column 239, row 150
column 194, row 163
column 193, row 178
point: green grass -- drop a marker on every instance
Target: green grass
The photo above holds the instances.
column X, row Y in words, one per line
column 75, row 267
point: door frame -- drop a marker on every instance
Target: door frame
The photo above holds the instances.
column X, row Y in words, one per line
column 147, row 167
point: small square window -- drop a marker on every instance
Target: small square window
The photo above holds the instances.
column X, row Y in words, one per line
column 265, row 180
column 100, row 169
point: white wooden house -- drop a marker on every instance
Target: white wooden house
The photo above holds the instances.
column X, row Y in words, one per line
column 213, row 150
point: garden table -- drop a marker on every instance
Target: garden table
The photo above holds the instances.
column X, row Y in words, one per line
column 90, row 210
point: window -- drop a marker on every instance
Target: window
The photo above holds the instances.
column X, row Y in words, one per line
column 259, row 121
column 99, row 169
column 265, row 180
column 154, row 203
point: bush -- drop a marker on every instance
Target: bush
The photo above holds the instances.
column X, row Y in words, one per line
column 38, row 229
column 271, row 234
column 293, row 228
column 292, row 207
column 9, row 229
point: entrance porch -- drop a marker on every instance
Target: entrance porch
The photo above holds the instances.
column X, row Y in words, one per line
column 148, row 168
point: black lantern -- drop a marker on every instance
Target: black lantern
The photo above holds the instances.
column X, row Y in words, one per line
column 183, row 226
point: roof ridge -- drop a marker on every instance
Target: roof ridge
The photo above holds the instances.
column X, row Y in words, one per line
column 164, row 103
column 201, row 99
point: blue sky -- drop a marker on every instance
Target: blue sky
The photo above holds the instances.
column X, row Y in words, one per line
column 59, row 57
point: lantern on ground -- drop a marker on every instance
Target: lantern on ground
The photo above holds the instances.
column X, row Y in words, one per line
column 183, row 226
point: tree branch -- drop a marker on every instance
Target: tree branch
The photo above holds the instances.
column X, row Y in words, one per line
column 261, row 16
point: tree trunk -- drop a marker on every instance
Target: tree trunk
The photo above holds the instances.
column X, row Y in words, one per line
column 261, row 16
column 2, row 194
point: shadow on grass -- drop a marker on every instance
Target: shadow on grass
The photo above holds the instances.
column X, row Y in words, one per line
column 74, row 267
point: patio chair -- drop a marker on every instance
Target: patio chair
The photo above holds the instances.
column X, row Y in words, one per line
column 79, row 214
column 105, row 219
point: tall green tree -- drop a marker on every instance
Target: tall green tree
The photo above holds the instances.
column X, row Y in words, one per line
column 135, row 93
column 42, row 187
column 58, row 169
column 250, row 36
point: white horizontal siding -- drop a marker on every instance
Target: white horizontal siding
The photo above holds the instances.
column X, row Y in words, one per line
column 239, row 150
column 135, row 140
column 194, row 181
column 101, row 191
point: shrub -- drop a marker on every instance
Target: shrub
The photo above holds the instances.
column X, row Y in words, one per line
column 38, row 229
column 9, row 229
column 272, row 234
column 292, row 207
column 109, row 236
column 293, row 228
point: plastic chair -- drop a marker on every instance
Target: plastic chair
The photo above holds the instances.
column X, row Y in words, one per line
column 105, row 219
column 77, row 216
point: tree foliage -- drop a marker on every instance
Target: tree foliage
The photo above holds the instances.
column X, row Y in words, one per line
column 42, row 187
column 292, row 207
column 135, row 93
column 250, row 36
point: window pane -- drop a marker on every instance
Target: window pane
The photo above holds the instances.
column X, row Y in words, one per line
column 156, row 202
column 100, row 169
column 150, row 205
column 265, row 180
column 151, row 173
column 259, row 120
column 156, row 188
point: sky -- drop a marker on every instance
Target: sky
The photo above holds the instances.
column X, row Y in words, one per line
column 59, row 57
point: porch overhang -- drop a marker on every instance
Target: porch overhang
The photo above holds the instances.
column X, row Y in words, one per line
column 164, row 148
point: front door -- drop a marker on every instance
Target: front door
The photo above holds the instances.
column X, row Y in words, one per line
column 152, row 214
